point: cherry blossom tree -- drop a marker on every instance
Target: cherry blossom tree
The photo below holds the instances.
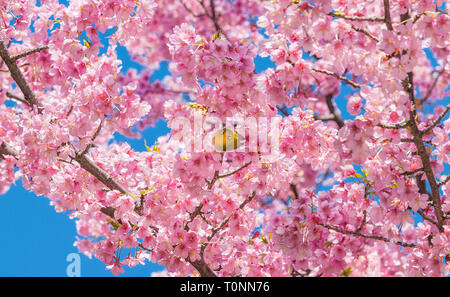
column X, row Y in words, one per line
column 338, row 196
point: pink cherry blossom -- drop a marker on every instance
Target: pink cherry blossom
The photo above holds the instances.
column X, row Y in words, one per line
column 324, row 193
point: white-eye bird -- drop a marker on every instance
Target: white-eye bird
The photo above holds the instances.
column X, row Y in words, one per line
column 227, row 140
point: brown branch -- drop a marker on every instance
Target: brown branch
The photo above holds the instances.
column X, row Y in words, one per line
column 224, row 222
column 443, row 182
column 18, row 77
column 334, row 113
column 7, row 150
column 408, row 85
column 30, row 52
column 202, row 268
column 217, row 176
column 325, row 117
column 394, row 127
column 234, row 171
column 340, row 77
column 96, row 133
column 387, row 15
column 363, row 221
column 294, row 190
column 436, row 121
column 17, row 98
column 213, row 16
column 425, row 217
column 374, row 237
column 191, row 12
column 430, row 90
column 412, row 172
column 365, row 33
column 283, row 110
column 356, row 18
column 88, row 164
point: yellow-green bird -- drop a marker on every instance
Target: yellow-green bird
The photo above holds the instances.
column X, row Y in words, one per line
column 227, row 140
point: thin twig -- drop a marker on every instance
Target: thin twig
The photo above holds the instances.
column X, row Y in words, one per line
column 365, row 33
column 356, row 18
column 374, row 237
column 30, row 52
column 430, row 90
column 436, row 121
column 17, row 98
column 340, row 77
column 387, row 15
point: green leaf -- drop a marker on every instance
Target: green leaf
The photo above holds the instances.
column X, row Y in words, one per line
column 115, row 225
column 394, row 185
column 217, row 36
column 264, row 240
column 146, row 146
column 347, row 271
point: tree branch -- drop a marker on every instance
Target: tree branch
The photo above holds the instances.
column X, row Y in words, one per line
column 365, row 33
column 436, row 121
column 17, row 98
column 356, row 18
column 18, row 77
column 333, row 116
column 387, row 15
column 408, row 85
column 430, row 90
column 374, row 237
column 7, row 150
column 352, row 83
column 224, row 222
column 30, row 52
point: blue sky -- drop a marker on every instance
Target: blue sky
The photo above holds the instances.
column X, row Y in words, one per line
column 35, row 240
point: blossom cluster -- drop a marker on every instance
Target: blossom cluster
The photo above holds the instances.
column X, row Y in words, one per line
column 356, row 183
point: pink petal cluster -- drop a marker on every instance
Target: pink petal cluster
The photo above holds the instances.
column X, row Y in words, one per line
column 365, row 194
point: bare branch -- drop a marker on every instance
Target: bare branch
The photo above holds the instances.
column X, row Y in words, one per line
column 88, row 164
column 234, row 171
column 224, row 222
column 18, row 77
column 430, row 90
column 387, row 15
column 444, row 181
column 363, row 221
column 30, row 52
column 202, row 268
column 340, row 77
column 191, row 12
column 294, row 190
column 17, row 98
column 425, row 217
column 356, row 18
column 283, row 110
column 365, row 33
column 394, row 127
column 436, row 121
column 412, row 172
column 7, row 150
column 422, row 152
column 374, row 237
column 336, row 117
